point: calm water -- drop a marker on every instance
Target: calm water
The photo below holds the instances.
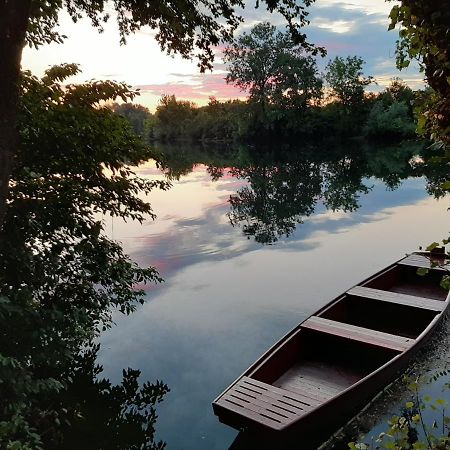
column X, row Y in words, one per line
column 240, row 273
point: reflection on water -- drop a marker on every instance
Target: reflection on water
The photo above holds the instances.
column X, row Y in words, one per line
column 227, row 298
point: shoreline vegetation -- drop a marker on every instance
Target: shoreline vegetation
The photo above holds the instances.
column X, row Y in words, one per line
column 387, row 116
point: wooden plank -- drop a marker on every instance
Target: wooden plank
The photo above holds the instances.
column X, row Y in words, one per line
column 266, row 403
column 304, row 396
column 325, row 391
column 271, row 396
column 254, row 416
column 262, row 410
column 378, row 338
column 400, row 299
column 421, row 261
column 315, row 384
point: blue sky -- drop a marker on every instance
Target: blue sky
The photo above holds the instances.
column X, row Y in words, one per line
column 344, row 27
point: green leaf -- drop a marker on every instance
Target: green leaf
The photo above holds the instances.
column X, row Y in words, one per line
column 432, row 246
column 422, row 271
column 445, row 282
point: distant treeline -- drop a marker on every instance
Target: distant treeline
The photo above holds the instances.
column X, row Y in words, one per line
column 387, row 115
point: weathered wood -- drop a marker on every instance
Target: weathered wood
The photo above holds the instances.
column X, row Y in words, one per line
column 400, row 299
column 267, row 404
column 416, row 260
column 245, row 412
column 378, row 338
column 303, row 397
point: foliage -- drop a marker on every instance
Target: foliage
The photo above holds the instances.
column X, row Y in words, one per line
column 184, row 26
column 346, row 80
column 61, row 276
column 285, row 90
column 271, row 67
column 174, row 117
column 393, row 121
column 424, row 36
column 398, row 91
column 413, row 429
column 137, row 116
column 187, row 27
column 234, row 120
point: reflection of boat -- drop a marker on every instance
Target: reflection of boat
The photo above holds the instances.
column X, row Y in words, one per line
column 329, row 366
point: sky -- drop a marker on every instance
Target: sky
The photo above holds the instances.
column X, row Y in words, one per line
column 343, row 27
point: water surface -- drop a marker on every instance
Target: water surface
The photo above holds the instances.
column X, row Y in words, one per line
column 249, row 247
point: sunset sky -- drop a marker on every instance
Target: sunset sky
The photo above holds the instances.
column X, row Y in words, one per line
column 344, row 27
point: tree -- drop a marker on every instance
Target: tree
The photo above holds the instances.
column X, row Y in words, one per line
column 61, row 277
column 347, row 82
column 174, row 117
column 137, row 115
column 392, row 122
column 424, row 36
column 186, row 27
column 272, row 68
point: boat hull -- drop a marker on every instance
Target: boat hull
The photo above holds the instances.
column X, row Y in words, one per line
column 276, row 400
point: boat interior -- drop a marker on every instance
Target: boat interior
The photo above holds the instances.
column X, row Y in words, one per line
column 322, row 364
column 404, row 279
column 356, row 334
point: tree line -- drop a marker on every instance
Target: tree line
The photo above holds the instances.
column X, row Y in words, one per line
column 388, row 115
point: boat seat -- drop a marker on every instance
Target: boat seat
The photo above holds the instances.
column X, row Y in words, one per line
column 266, row 404
column 421, row 261
column 400, row 299
column 345, row 330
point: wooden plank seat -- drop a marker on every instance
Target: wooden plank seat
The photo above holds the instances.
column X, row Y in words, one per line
column 373, row 337
column 268, row 405
column 400, row 299
column 416, row 260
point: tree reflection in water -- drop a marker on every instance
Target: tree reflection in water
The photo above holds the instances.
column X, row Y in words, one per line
column 285, row 186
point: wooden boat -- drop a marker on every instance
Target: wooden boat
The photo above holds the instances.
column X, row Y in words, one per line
column 333, row 363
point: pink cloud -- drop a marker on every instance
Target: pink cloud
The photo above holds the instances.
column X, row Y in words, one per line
column 196, row 87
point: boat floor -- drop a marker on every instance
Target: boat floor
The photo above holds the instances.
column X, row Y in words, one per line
column 419, row 290
column 322, row 379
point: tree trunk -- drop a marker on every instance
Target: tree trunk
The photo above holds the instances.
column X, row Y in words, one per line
column 14, row 15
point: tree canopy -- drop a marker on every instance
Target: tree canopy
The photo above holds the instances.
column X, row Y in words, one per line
column 184, row 26
column 346, row 80
column 272, row 67
column 424, row 36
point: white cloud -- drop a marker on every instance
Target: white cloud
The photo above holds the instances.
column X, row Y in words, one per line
column 336, row 26
column 367, row 6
